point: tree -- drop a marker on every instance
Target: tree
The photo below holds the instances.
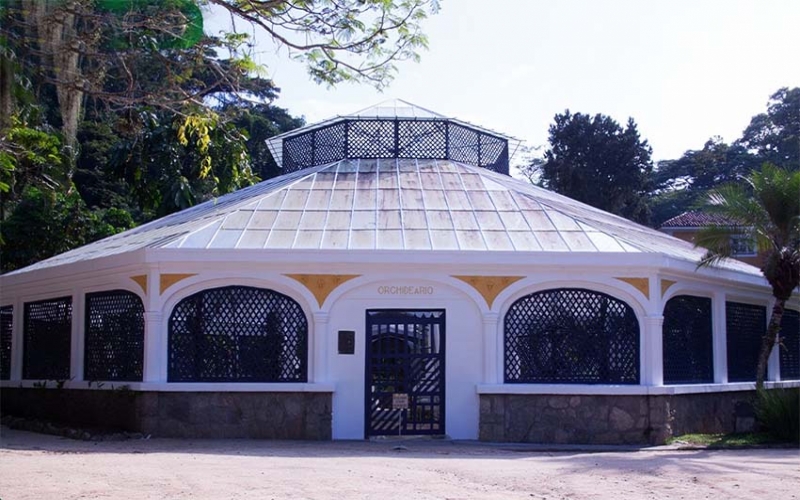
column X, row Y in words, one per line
column 775, row 135
column 595, row 161
column 766, row 208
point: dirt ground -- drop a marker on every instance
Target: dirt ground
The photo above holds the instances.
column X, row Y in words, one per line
column 34, row 466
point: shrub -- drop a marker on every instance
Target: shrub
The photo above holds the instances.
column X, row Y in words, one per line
column 778, row 410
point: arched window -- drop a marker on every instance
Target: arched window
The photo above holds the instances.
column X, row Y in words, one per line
column 114, row 336
column 688, row 341
column 571, row 336
column 238, row 334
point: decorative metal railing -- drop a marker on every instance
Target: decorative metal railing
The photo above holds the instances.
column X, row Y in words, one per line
column 47, row 333
column 746, row 324
column 688, row 341
column 114, row 344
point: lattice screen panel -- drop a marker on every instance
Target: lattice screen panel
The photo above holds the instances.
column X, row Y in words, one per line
column 746, row 325
column 6, row 322
column 571, row 336
column 395, row 138
column 790, row 345
column 47, row 335
column 238, row 334
column 114, row 348
column 688, row 341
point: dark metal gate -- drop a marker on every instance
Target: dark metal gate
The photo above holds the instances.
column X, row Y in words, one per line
column 405, row 372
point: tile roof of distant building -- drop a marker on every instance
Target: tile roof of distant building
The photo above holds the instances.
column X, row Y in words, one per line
column 697, row 219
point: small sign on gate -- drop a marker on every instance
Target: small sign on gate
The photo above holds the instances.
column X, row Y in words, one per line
column 399, row 401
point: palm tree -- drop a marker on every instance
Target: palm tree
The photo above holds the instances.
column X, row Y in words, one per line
column 765, row 209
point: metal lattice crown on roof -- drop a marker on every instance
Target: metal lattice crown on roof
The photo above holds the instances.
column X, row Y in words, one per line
column 392, row 129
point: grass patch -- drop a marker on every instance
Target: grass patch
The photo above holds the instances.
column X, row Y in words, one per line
column 740, row 440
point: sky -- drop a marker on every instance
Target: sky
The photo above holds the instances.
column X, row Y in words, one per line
column 683, row 70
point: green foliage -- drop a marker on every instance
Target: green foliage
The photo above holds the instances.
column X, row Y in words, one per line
column 737, row 440
column 596, row 161
column 775, row 135
column 46, row 223
column 778, row 410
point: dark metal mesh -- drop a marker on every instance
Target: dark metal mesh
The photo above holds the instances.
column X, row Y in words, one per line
column 571, row 336
column 114, row 347
column 688, row 341
column 790, row 345
column 395, row 138
column 238, row 334
column 746, row 324
column 47, row 336
column 6, row 322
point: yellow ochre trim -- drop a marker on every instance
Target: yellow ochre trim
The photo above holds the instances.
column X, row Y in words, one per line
column 321, row 285
column 665, row 284
column 141, row 280
column 167, row 280
column 641, row 284
column 489, row 286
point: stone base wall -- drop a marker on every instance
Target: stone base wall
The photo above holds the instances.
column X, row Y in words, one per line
column 275, row 415
column 589, row 419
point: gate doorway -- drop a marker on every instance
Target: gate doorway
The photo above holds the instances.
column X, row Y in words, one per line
column 405, row 372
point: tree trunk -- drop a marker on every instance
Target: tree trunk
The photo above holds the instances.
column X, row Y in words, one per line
column 769, row 341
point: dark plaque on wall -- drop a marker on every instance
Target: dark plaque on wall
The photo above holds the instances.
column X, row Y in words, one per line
column 347, row 342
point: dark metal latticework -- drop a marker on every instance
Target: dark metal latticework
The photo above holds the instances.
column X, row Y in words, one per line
column 746, row 324
column 437, row 139
column 238, row 334
column 790, row 345
column 47, row 337
column 405, row 355
column 688, row 341
column 114, row 347
column 571, row 336
column 6, row 322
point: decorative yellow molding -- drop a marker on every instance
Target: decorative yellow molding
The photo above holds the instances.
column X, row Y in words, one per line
column 665, row 284
column 321, row 285
column 167, row 280
column 641, row 284
column 141, row 280
column 489, row 286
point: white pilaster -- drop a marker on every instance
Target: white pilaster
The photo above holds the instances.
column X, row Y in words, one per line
column 154, row 369
column 492, row 349
column 77, row 342
column 319, row 347
column 653, row 351
column 720, row 339
column 16, row 340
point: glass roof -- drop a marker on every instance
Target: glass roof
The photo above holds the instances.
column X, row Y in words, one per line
column 417, row 205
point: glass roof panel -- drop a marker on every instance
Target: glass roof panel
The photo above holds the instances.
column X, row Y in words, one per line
column 472, row 181
column 313, row 219
column 439, row 219
column 538, row 221
column 338, row 220
column 578, row 241
column 262, row 220
column 470, row 240
column 295, row 200
column 366, row 199
column 346, row 181
column 362, row 239
column 335, row 239
column 434, row 200
column 225, row 238
column 281, row 238
column 287, row 220
column 364, row 220
column 387, row 178
column 273, row 201
column 412, row 199
column 389, row 219
column 430, row 179
column 497, row 240
column 551, row 241
column 253, row 238
column 417, row 239
column 410, row 180
column 464, row 220
column 325, row 179
column 414, row 219
column 563, row 222
column 237, row 220
column 489, row 221
column 524, row 241
column 342, row 200
column 202, row 237
column 319, row 199
column 480, row 200
column 503, row 201
column 604, row 242
column 513, row 221
column 388, row 199
column 389, row 239
column 457, row 200
column 451, row 182
column 308, row 239
column 444, row 240
column 525, row 202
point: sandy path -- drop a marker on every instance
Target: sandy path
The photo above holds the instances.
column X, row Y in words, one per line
column 34, row 466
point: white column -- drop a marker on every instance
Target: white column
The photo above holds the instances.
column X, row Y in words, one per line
column 720, row 339
column 319, row 345
column 16, row 340
column 773, row 363
column 492, row 349
column 653, row 351
column 154, row 369
column 77, row 339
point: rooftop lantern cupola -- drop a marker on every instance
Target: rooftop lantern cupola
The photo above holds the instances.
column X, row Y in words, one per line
column 391, row 129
